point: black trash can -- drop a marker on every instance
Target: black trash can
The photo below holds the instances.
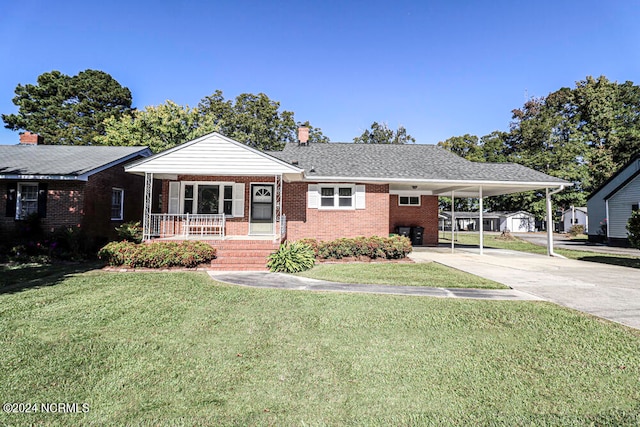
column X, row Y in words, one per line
column 404, row 231
column 417, row 236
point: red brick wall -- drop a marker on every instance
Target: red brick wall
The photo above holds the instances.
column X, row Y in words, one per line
column 85, row 204
column 425, row 215
column 97, row 207
column 65, row 200
column 332, row 224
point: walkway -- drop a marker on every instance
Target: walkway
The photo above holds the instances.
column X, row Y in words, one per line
column 286, row 281
column 606, row 291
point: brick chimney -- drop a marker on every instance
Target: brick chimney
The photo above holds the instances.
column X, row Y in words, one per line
column 303, row 135
column 29, row 138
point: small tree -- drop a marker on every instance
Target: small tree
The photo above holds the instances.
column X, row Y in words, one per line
column 633, row 229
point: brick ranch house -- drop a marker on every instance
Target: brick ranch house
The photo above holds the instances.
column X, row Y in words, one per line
column 69, row 186
column 246, row 202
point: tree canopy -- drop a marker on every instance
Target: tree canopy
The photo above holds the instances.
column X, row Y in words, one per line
column 379, row 133
column 66, row 109
column 581, row 134
column 252, row 119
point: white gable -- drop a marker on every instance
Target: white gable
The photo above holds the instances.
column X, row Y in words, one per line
column 213, row 154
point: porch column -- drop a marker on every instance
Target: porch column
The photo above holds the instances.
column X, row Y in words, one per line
column 453, row 221
column 481, row 224
column 146, row 213
column 278, row 204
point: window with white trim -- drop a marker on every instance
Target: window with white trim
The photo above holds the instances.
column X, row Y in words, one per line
column 27, row 200
column 207, row 197
column 117, row 204
column 337, row 197
column 409, row 200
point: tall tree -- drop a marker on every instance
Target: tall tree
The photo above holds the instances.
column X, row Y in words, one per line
column 252, row 119
column 159, row 127
column 465, row 146
column 68, row 110
column 380, row 133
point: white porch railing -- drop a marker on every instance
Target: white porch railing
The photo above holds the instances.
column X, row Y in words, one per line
column 170, row 225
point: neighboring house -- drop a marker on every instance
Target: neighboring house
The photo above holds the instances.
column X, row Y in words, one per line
column 69, row 186
column 610, row 206
column 575, row 216
column 517, row 222
column 214, row 187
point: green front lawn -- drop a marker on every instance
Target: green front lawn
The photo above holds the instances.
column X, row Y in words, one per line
column 400, row 274
column 181, row 349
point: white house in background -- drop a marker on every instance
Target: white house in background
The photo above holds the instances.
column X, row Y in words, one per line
column 610, row 206
column 575, row 216
column 517, row 222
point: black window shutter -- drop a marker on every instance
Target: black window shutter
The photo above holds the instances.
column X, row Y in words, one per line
column 42, row 200
column 12, row 193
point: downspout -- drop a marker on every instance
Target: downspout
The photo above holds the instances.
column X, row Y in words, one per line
column 550, row 220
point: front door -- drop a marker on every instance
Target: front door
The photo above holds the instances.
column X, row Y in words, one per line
column 261, row 215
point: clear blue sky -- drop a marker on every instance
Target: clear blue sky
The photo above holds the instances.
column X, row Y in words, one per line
column 439, row 68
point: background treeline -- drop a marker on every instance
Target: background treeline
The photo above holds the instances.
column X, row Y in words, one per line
column 581, row 134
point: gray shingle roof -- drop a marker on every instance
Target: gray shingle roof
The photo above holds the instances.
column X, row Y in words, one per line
column 411, row 161
column 61, row 159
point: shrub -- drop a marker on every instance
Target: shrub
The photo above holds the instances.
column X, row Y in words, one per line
column 633, row 229
column 393, row 247
column 291, row 258
column 157, row 254
column 576, row 229
column 130, row 231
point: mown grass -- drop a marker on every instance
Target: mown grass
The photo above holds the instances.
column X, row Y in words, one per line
column 180, row 349
column 517, row 244
column 400, row 274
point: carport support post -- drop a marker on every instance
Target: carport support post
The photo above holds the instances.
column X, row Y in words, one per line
column 481, row 225
column 550, row 220
column 453, row 222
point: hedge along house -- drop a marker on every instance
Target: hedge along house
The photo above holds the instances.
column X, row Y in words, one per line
column 222, row 191
column 82, row 187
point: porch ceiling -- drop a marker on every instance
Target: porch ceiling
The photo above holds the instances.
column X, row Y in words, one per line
column 469, row 189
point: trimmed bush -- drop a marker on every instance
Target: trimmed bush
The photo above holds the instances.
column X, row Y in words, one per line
column 291, row 258
column 130, row 231
column 576, row 229
column 157, row 254
column 393, row 247
column 633, row 229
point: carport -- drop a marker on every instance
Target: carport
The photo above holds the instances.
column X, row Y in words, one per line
column 480, row 189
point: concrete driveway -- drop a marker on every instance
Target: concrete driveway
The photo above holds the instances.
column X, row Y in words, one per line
column 606, row 291
column 561, row 241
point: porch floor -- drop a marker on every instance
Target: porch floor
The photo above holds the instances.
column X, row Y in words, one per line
column 210, row 237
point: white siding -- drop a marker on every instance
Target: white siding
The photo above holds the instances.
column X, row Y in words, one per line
column 213, row 154
column 596, row 204
column 580, row 216
column 620, row 208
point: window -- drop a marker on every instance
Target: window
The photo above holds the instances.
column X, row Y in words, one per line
column 337, row 197
column 205, row 198
column 27, row 201
column 117, row 204
column 409, row 200
column 634, row 207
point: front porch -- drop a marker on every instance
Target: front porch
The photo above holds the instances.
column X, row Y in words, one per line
column 162, row 226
